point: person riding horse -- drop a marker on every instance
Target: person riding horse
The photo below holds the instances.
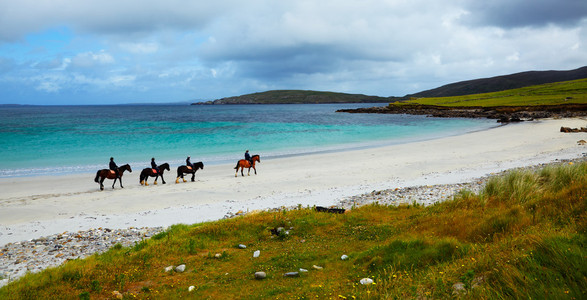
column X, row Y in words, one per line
column 113, row 167
column 154, row 165
column 248, row 157
column 189, row 163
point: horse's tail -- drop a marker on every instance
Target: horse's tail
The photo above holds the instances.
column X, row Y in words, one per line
column 97, row 176
column 142, row 176
column 237, row 163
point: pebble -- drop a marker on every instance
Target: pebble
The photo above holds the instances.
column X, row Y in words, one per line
column 303, row 270
column 260, row 275
column 366, row 281
column 168, row 269
column 256, row 253
column 16, row 259
column 191, row 288
column 317, row 267
column 344, row 257
column 180, row 268
column 291, row 274
column 242, row 246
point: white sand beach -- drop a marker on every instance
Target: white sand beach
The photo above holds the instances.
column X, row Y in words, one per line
column 32, row 207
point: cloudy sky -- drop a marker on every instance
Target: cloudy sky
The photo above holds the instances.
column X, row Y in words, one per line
column 137, row 51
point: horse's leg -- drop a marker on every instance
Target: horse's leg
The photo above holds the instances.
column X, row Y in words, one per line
column 236, row 173
column 162, row 179
column 255, row 170
column 102, row 183
column 120, row 179
column 114, row 182
column 249, row 173
column 194, row 176
column 156, row 177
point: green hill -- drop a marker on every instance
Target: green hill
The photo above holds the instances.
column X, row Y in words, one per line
column 557, row 93
column 501, row 83
column 299, row 97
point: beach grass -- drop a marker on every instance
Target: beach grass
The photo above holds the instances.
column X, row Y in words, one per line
column 522, row 236
column 564, row 92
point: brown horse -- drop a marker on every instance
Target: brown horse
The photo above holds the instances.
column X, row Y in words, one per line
column 243, row 163
column 188, row 170
column 150, row 172
column 106, row 173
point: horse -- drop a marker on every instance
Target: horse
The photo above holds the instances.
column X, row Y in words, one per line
column 243, row 163
column 107, row 173
column 188, row 170
column 153, row 173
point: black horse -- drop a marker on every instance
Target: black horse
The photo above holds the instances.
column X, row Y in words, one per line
column 153, row 173
column 188, row 170
column 106, row 173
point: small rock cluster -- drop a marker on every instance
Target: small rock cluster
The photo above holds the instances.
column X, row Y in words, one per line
column 422, row 195
column 16, row 259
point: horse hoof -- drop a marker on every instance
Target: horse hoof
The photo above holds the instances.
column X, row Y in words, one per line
column 155, row 183
column 146, row 184
column 142, row 182
column 177, row 181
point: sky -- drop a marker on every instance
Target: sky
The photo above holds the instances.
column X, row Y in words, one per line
column 140, row 51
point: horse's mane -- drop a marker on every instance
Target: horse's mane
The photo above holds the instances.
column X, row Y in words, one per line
column 199, row 163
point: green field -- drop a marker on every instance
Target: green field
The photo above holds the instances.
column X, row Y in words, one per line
column 524, row 236
column 565, row 92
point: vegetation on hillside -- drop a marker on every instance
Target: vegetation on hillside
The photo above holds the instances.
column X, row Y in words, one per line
column 299, row 97
column 558, row 93
column 523, row 236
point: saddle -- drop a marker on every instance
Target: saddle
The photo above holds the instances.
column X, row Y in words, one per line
column 189, row 168
column 154, row 171
column 112, row 172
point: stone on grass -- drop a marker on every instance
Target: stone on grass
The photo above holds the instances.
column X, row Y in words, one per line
column 260, row 275
column 180, row 268
column 242, row 246
column 459, row 289
column 366, row 281
column 303, row 270
column 168, row 269
column 317, row 267
column 191, row 288
column 256, row 253
column 291, row 274
column 344, row 257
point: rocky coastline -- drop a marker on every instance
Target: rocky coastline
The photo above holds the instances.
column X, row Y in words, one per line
column 503, row 114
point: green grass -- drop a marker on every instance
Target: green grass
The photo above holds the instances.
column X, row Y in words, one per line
column 564, row 92
column 522, row 236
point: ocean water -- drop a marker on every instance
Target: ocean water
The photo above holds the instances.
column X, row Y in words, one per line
column 42, row 140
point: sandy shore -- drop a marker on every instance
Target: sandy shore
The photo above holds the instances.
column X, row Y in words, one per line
column 39, row 206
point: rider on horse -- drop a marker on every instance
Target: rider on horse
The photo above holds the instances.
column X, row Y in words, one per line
column 154, row 165
column 114, row 167
column 248, row 157
column 189, row 163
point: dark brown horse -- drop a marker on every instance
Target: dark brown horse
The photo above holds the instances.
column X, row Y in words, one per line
column 106, row 173
column 153, row 173
column 243, row 163
column 188, row 170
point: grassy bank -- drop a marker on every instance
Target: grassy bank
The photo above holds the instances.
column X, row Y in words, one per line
column 523, row 236
column 565, row 92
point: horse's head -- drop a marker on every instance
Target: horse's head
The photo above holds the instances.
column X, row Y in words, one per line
column 164, row 166
column 126, row 167
column 256, row 157
column 200, row 165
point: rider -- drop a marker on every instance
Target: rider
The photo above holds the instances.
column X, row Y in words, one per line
column 154, row 165
column 189, row 163
column 114, row 167
column 248, row 157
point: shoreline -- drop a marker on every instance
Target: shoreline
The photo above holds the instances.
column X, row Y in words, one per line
column 34, row 207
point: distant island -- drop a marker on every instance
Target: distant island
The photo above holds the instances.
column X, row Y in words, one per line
column 476, row 86
column 299, row 97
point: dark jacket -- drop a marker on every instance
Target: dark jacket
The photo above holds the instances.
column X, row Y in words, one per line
column 113, row 166
column 247, row 156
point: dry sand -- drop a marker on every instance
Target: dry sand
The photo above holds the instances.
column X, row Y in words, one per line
column 31, row 207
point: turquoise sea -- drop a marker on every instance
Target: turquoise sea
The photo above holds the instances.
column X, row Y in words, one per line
column 38, row 140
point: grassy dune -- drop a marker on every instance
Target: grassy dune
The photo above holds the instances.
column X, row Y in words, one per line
column 565, row 92
column 523, row 236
